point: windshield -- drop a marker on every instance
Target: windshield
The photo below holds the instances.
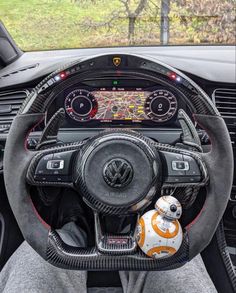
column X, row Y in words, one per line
column 59, row 24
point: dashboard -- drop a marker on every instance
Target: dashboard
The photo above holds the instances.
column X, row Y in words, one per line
column 119, row 101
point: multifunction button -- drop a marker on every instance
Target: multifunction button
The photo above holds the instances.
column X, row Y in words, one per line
column 55, row 165
column 180, row 165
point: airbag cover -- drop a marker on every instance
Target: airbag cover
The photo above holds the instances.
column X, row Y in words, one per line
column 118, row 170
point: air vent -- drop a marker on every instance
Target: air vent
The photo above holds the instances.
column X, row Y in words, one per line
column 10, row 103
column 225, row 101
column 232, row 132
column 233, row 193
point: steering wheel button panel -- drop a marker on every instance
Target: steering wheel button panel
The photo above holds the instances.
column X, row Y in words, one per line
column 180, row 168
column 54, row 167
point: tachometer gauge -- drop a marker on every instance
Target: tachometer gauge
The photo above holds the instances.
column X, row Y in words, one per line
column 81, row 105
column 160, row 106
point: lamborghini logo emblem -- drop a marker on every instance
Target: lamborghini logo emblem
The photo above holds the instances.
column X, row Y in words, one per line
column 116, row 61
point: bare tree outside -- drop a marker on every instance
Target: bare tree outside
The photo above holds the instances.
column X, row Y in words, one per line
column 202, row 20
column 107, row 23
column 128, row 11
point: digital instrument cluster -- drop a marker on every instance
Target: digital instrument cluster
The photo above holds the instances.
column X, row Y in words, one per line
column 118, row 102
column 121, row 104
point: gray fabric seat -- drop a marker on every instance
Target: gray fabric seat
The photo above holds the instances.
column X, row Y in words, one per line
column 105, row 290
column 27, row 272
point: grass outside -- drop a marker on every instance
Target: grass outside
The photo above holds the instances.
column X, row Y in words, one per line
column 50, row 24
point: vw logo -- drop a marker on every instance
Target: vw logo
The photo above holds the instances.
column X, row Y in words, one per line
column 118, row 173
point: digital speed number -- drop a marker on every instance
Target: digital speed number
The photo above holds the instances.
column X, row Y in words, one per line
column 160, row 105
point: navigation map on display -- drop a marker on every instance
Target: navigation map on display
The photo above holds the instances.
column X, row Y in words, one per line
column 116, row 105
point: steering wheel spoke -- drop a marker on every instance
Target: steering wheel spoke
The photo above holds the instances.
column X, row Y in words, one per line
column 114, row 244
column 53, row 167
column 181, row 167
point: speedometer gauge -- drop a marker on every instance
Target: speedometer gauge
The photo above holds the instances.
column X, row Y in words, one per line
column 81, row 105
column 160, row 105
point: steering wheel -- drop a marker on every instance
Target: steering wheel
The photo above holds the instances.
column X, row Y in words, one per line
column 88, row 168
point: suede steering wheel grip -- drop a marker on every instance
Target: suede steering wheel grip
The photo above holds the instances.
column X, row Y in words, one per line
column 219, row 163
column 38, row 234
column 16, row 161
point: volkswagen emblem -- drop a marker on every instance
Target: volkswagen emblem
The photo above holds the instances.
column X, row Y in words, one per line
column 118, row 173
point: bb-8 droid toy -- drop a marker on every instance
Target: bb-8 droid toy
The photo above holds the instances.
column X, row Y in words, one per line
column 159, row 233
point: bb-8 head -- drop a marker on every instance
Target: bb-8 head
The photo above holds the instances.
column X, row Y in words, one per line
column 169, row 207
column 159, row 233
